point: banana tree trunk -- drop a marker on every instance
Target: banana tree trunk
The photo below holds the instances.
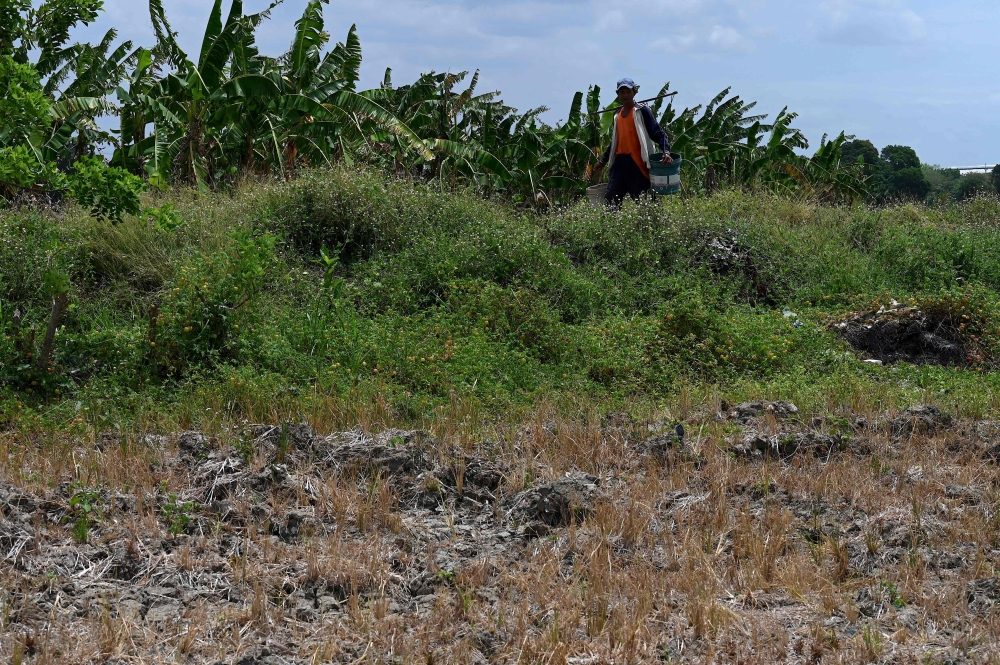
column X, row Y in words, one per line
column 290, row 153
column 192, row 151
column 248, row 155
column 711, row 180
column 80, row 150
column 137, row 138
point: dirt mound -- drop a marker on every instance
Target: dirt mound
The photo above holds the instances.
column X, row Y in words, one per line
column 904, row 334
column 729, row 253
column 787, row 445
column 923, row 418
column 749, row 410
column 560, row 503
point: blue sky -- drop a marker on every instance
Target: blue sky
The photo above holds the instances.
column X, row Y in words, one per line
column 913, row 72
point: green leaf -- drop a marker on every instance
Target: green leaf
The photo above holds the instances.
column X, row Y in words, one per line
column 212, row 30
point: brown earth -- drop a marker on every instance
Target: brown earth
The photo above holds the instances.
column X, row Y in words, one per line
column 752, row 535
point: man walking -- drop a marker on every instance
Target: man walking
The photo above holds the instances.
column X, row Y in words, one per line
column 634, row 135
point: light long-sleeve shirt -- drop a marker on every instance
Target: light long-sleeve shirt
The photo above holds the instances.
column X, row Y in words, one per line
column 653, row 132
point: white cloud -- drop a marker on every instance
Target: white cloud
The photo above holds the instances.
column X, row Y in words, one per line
column 678, row 43
column 871, row 22
column 703, row 39
column 725, row 37
column 681, row 7
column 612, row 21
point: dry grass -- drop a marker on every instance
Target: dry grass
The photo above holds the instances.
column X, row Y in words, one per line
column 882, row 553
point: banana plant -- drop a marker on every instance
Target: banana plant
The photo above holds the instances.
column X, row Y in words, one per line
column 194, row 100
column 137, row 110
column 228, row 109
column 550, row 161
column 97, row 71
column 322, row 116
column 834, row 180
column 455, row 126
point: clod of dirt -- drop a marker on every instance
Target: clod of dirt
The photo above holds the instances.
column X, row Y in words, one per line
column 922, row 418
column 261, row 657
column 747, row 410
column 559, row 503
column 272, row 475
column 617, row 420
column 424, row 584
column 13, row 538
column 473, row 476
column 962, row 493
column 483, row 473
column 983, row 595
column 393, row 452
column 13, row 499
column 786, row 445
column 980, row 437
column 904, row 334
column 193, row 445
column 292, row 527
column 299, row 435
column 537, row 529
column 663, row 444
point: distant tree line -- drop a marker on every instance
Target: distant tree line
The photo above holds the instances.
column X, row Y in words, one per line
column 897, row 174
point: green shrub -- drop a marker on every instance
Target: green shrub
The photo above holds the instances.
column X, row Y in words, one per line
column 702, row 339
column 518, row 317
column 24, row 108
column 85, row 511
column 920, row 257
column 973, row 186
column 197, row 321
column 31, row 244
column 21, row 170
column 164, row 218
column 433, row 293
column 177, row 514
column 360, row 212
column 24, row 117
column 109, row 192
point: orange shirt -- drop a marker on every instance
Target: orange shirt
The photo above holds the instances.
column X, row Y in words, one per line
column 628, row 140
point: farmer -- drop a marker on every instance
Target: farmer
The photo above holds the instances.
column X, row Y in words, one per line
column 632, row 141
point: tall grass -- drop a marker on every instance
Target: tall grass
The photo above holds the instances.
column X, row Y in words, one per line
column 447, row 294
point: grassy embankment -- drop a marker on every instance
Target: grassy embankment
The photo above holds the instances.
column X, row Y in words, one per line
column 442, row 303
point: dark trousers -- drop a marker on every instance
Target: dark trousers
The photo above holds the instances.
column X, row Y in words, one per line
column 625, row 178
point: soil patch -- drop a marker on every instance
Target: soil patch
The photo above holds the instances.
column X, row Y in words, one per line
column 905, row 334
column 294, row 548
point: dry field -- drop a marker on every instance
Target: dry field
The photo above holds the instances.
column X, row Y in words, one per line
column 759, row 536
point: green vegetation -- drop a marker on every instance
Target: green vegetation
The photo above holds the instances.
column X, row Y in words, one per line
column 898, row 175
column 211, row 118
column 84, row 510
column 346, row 284
column 269, row 245
column 177, row 514
column 424, row 243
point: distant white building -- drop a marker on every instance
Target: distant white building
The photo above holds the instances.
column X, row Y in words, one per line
column 966, row 170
